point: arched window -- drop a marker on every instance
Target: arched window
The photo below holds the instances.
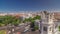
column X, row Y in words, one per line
column 50, row 29
column 45, row 28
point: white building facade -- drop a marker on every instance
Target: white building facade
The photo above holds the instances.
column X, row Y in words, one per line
column 47, row 25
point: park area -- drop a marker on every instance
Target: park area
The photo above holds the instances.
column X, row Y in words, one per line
column 2, row 31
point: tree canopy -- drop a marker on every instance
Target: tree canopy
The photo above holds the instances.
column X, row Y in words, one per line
column 5, row 20
column 30, row 19
column 9, row 20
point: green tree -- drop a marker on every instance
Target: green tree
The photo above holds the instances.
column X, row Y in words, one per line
column 16, row 21
column 30, row 19
column 5, row 20
column 37, row 17
column 59, row 28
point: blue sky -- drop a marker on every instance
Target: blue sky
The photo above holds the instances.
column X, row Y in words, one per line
column 29, row 5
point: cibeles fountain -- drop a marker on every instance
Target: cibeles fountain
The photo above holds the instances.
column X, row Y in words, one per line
column 47, row 25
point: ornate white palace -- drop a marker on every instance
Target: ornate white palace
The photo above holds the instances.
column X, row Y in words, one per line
column 47, row 24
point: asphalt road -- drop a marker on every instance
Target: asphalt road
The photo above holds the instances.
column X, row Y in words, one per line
column 20, row 28
column 32, row 32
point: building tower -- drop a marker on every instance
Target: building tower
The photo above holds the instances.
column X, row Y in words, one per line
column 46, row 23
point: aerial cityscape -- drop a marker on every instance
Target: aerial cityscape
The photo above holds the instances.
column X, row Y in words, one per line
column 29, row 16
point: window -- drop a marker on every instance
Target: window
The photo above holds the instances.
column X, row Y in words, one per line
column 50, row 28
column 45, row 28
column 55, row 25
